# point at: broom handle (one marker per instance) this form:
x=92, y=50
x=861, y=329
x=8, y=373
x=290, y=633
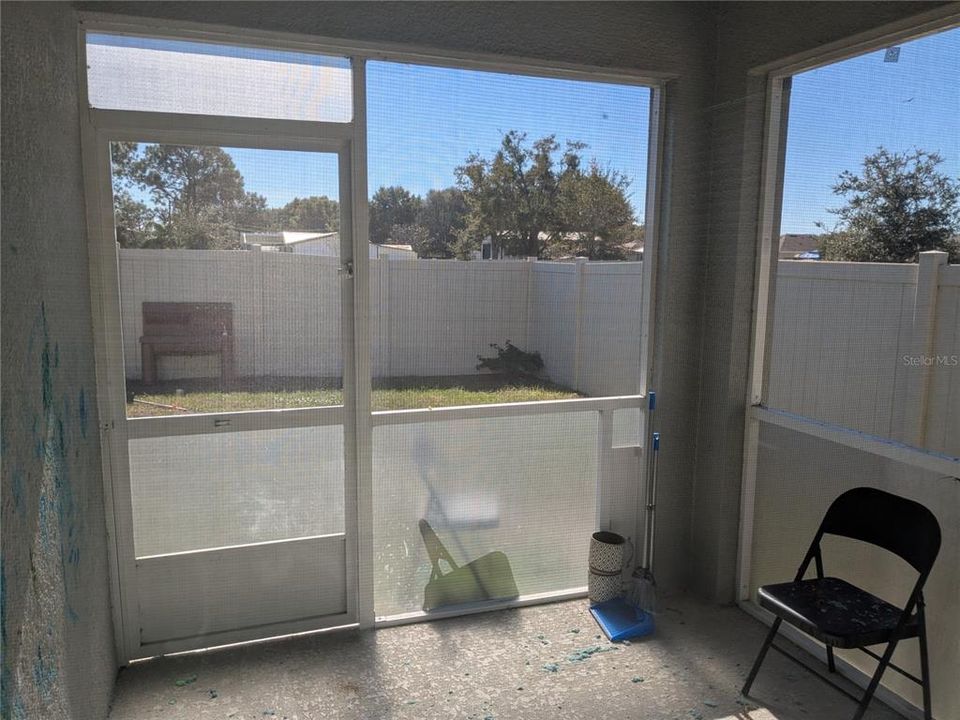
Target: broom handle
x=652, y=512
x=648, y=494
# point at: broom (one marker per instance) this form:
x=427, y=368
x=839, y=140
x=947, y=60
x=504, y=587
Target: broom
x=643, y=588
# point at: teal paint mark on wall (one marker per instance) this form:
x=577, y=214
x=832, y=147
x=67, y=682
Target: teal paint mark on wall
x=53, y=447
x=82, y=412
x=19, y=711
x=46, y=379
x=16, y=490
x=45, y=673
x=8, y=699
x=43, y=522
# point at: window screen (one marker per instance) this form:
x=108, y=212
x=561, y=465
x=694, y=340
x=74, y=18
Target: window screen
x=506, y=230
x=177, y=76
x=866, y=327
x=866, y=330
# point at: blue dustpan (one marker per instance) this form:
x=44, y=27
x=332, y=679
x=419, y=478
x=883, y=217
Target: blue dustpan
x=620, y=620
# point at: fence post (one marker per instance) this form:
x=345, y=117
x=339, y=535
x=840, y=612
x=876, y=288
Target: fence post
x=527, y=318
x=260, y=366
x=386, y=317
x=578, y=319
x=925, y=329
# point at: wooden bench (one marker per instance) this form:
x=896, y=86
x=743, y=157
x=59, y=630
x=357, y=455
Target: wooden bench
x=185, y=328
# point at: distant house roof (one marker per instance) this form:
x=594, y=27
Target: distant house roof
x=797, y=243
x=284, y=237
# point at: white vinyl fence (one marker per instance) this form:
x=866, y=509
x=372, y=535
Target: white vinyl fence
x=873, y=347
x=584, y=318
x=427, y=317
x=870, y=346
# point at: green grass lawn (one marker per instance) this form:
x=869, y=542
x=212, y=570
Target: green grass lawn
x=167, y=402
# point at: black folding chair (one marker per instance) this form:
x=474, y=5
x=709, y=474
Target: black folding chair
x=841, y=615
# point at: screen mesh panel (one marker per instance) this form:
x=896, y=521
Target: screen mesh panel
x=505, y=265
x=230, y=287
x=866, y=332
x=208, y=491
x=506, y=229
x=521, y=486
x=628, y=428
x=864, y=336
x=176, y=76
x=230, y=300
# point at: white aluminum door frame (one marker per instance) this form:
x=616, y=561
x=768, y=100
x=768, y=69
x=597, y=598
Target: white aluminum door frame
x=98, y=129
x=117, y=429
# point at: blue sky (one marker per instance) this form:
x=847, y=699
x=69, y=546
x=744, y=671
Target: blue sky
x=842, y=112
x=424, y=121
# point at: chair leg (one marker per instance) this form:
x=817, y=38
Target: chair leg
x=924, y=665
x=759, y=661
x=831, y=665
x=875, y=680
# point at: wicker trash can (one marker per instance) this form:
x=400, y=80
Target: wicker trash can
x=606, y=558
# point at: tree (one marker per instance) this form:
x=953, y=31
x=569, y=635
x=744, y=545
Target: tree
x=532, y=201
x=197, y=197
x=511, y=199
x=898, y=206
x=317, y=212
x=443, y=216
x=133, y=219
x=636, y=235
x=391, y=206
x=416, y=236
x=595, y=215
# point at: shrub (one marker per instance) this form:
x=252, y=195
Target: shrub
x=511, y=360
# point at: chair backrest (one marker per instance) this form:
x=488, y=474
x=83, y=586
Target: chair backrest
x=187, y=319
x=902, y=526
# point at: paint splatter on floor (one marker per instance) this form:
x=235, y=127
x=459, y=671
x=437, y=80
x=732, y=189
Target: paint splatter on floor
x=587, y=653
x=473, y=667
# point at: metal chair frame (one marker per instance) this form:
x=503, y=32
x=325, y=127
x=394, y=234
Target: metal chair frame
x=875, y=517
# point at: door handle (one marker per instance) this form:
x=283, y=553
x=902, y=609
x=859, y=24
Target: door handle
x=346, y=269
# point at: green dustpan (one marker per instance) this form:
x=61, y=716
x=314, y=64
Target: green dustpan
x=489, y=577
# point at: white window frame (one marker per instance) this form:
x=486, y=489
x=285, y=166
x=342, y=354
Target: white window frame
x=99, y=125
x=778, y=78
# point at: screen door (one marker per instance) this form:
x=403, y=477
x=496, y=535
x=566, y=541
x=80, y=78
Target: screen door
x=219, y=184
x=232, y=281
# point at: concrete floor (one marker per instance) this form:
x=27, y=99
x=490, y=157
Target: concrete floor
x=496, y=665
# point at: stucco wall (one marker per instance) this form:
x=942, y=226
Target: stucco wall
x=58, y=657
